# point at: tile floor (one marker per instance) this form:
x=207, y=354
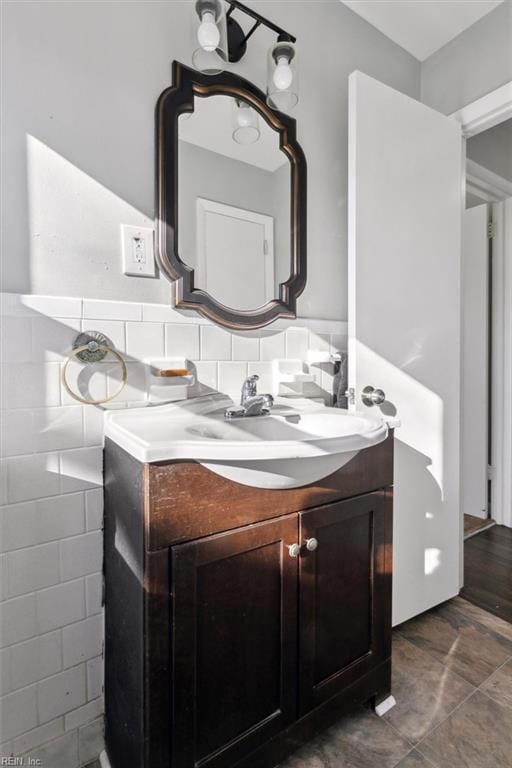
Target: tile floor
x=452, y=678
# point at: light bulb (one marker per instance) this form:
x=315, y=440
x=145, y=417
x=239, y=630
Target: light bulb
x=283, y=75
x=207, y=33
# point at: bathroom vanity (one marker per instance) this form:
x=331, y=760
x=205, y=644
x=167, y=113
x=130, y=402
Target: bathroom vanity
x=247, y=560
x=241, y=620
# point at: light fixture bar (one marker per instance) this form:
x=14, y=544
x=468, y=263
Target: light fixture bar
x=259, y=19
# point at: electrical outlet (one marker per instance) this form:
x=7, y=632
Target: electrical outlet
x=138, y=250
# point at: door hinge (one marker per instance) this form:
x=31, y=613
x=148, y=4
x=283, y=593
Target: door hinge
x=490, y=472
x=265, y=247
x=350, y=394
x=491, y=230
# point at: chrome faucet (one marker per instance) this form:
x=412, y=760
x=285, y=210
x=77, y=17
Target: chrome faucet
x=251, y=404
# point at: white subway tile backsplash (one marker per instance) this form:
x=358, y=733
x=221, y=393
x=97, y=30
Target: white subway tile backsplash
x=36, y=659
x=161, y=313
x=135, y=387
x=38, y=736
x=5, y=672
x=3, y=577
x=93, y=422
x=3, y=482
x=114, y=330
x=319, y=342
x=206, y=377
x=84, y=714
x=182, y=341
x=90, y=741
x=52, y=340
x=57, y=606
x=231, y=377
x=61, y=693
x=94, y=509
x=58, y=428
x=95, y=309
x=264, y=371
x=215, y=343
x=94, y=678
x=81, y=469
x=16, y=432
x=52, y=306
x=94, y=593
x=33, y=568
x=145, y=340
x=30, y=385
x=36, y=522
x=245, y=347
x=18, y=620
x=338, y=342
x=82, y=641
x=43, y=471
x=297, y=343
x=16, y=340
x=60, y=753
x=81, y=555
x=18, y=712
x=272, y=345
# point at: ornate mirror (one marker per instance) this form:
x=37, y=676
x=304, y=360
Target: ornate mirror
x=231, y=200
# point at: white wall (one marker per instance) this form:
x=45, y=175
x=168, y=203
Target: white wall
x=81, y=80
x=476, y=62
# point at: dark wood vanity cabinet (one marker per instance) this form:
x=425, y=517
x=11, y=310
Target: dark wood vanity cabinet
x=222, y=648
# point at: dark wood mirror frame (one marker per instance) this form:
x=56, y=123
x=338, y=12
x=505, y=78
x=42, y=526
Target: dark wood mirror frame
x=179, y=99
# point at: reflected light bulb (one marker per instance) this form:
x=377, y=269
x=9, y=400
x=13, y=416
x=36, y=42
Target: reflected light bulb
x=243, y=117
x=207, y=33
x=283, y=75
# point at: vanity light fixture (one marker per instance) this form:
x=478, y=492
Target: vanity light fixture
x=247, y=129
x=220, y=38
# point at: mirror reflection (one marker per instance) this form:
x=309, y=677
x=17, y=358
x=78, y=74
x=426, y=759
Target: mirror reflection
x=234, y=202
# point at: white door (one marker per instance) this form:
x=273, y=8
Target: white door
x=236, y=242
x=405, y=206
x=475, y=361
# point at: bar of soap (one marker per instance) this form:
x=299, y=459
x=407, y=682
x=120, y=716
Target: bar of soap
x=170, y=372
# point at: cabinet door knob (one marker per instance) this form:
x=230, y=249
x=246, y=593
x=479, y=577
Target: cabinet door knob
x=311, y=544
x=294, y=550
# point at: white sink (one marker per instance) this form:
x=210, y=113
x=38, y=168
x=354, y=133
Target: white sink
x=296, y=444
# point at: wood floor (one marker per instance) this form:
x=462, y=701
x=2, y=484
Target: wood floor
x=488, y=571
x=474, y=524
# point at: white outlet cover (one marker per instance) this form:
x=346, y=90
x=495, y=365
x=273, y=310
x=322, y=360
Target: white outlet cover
x=138, y=248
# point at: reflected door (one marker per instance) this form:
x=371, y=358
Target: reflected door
x=235, y=254
x=405, y=206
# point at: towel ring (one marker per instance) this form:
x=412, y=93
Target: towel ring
x=96, y=351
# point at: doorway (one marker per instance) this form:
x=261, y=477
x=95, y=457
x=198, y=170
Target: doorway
x=486, y=433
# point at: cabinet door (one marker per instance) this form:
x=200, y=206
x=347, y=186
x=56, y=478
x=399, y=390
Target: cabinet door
x=234, y=642
x=345, y=594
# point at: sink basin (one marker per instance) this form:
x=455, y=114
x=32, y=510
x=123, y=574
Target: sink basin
x=292, y=446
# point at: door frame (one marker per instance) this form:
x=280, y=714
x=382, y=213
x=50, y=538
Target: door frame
x=480, y=115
